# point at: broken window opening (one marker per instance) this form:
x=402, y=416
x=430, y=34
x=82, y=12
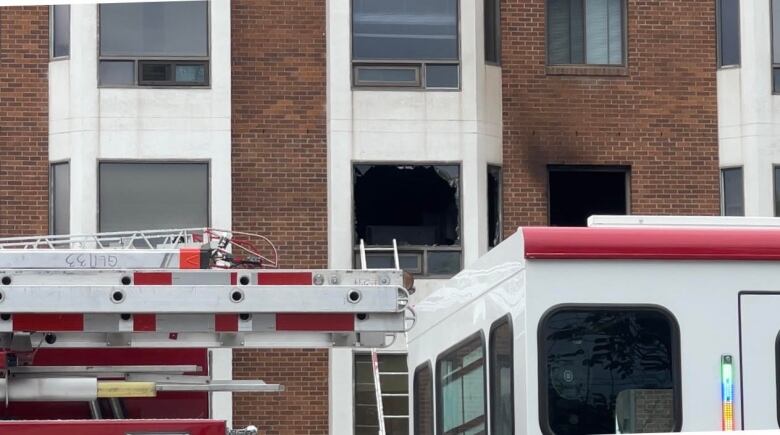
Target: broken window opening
x=419, y=207
x=494, y=205
x=576, y=193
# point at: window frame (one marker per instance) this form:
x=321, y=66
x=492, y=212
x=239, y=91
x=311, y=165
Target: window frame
x=722, y=183
x=775, y=196
x=773, y=65
x=415, y=401
x=500, y=204
x=624, y=64
x=542, y=378
x=420, y=64
x=173, y=60
x=777, y=377
x=206, y=162
x=719, y=36
x=589, y=168
x=504, y=320
x=495, y=36
x=421, y=250
x=480, y=334
x=52, y=198
x=52, y=57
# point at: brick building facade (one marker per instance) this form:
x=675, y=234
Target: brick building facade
x=655, y=117
x=24, y=120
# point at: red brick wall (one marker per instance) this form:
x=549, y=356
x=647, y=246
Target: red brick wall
x=301, y=409
x=24, y=120
x=660, y=117
x=280, y=187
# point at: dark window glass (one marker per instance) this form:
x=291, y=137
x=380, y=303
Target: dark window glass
x=418, y=206
x=578, y=193
x=147, y=196
x=443, y=262
x=154, y=29
x=423, y=400
x=394, y=385
x=493, y=31
x=728, y=32
x=776, y=45
x=733, y=192
x=60, y=30
x=777, y=191
x=59, y=198
x=441, y=76
x=608, y=371
x=502, y=415
x=117, y=73
x=156, y=72
x=585, y=31
x=494, y=205
x=404, y=29
x=460, y=404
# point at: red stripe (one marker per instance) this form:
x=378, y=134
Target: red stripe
x=284, y=278
x=144, y=322
x=233, y=278
x=652, y=243
x=226, y=322
x=315, y=322
x=48, y=322
x=189, y=258
x=152, y=278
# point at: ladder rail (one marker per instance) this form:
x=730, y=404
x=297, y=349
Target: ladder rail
x=227, y=249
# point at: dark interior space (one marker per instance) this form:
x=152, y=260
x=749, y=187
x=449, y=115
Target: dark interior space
x=416, y=205
x=494, y=205
x=577, y=194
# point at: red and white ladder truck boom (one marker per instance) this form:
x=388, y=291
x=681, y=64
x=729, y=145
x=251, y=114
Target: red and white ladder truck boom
x=188, y=288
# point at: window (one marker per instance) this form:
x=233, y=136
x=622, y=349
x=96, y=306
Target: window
x=494, y=205
x=154, y=44
x=460, y=389
x=609, y=370
x=423, y=400
x=405, y=43
x=394, y=383
x=777, y=190
x=493, y=31
x=59, y=198
x=578, y=192
x=502, y=413
x=728, y=32
x=419, y=207
x=585, y=32
x=60, y=31
x=733, y=192
x=146, y=196
x=776, y=46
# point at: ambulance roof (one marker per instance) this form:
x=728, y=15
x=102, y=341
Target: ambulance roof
x=653, y=243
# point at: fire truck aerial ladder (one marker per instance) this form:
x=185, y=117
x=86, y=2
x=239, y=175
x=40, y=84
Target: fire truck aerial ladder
x=184, y=288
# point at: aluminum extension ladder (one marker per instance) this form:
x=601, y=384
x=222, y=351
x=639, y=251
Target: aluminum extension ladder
x=185, y=288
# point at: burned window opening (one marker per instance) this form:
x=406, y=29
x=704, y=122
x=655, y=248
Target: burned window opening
x=416, y=205
x=419, y=207
x=578, y=193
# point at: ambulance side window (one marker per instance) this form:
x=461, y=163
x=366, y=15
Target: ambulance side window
x=460, y=388
x=609, y=369
x=423, y=400
x=502, y=414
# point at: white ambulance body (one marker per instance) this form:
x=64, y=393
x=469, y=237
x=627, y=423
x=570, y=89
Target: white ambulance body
x=635, y=326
